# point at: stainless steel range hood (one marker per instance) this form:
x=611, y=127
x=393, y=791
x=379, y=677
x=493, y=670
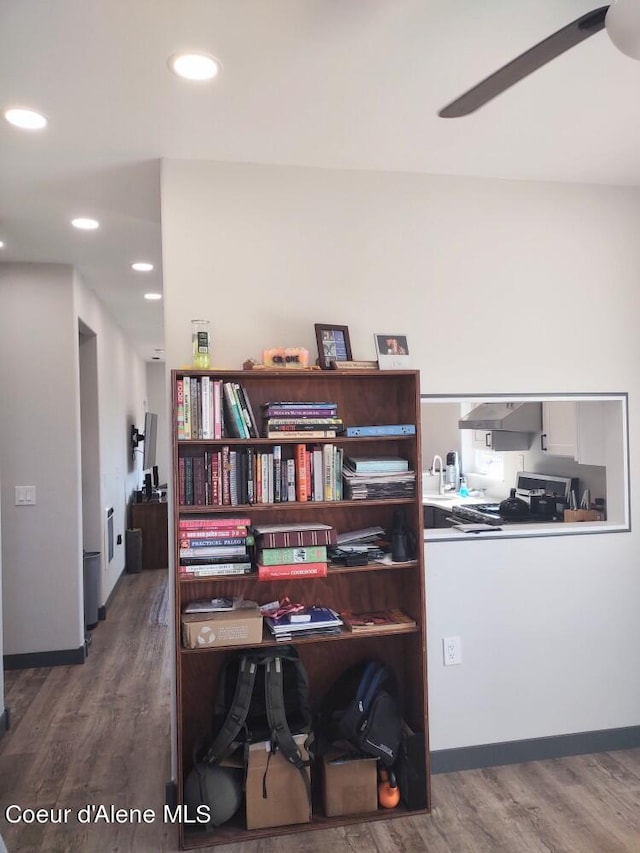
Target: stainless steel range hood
x=511, y=417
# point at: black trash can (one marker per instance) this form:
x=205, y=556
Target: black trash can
x=91, y=560
x=133, y=549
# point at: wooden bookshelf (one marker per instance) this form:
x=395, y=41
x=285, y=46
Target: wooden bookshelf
x=363, y=397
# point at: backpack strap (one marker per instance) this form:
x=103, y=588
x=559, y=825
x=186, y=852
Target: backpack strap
x=238, y=710
x=281, y=736
x=374, y=673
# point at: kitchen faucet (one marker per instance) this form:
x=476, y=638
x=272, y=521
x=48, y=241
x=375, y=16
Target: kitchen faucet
x=440, y=471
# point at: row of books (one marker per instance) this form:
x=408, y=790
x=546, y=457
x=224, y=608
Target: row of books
x=213, y=409
x=231, y=476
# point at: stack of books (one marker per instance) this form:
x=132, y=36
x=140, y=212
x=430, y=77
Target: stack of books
x=292, y=550
x=310, y=622
x=301, y=420
x=377, y=477
x=214, y=546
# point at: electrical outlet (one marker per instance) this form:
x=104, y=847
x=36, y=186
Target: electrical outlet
x=451, y=650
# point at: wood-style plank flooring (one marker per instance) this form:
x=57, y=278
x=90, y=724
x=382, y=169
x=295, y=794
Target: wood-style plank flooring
x=99, y=734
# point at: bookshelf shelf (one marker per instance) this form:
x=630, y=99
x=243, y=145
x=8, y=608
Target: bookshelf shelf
x=367, y=397
x=267, y=640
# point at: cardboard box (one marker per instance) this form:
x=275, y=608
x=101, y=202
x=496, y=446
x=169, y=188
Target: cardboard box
x=239, y=627
x=287, y=800
x=349, y=785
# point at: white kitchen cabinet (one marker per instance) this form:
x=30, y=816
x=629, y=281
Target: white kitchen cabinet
x=574, y=430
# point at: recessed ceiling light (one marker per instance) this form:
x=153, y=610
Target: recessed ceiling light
x=153, y=296
x=25, y=119
x=195, y=66
x=142, y=266
x=1, y=244
x=85, y=224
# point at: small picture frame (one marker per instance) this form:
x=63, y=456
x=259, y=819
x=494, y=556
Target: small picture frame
x=393, y=351
x=333, y=344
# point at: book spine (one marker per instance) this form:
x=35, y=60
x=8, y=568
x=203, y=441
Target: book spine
x=306, y=434
x=278, y=556
x=291, y=480
x=217, y=408
x=188, y=481
x=277, y=473
x=198, y=481
x=216, y=550
x=296, y=538
x=304, y=422
x=206, y=407
x=301, y=570
x=213, y=542
x=301, y=426
x=302, y=493
x=328, y=470
x=226, y=482
x=180, y=409
x=318, y=478
x=384, y=429
x=299, y=412
x=186, y=391
x=233, y=530
x=233, y=477
x=181, y=475
x=217, y=524
x=206, y=571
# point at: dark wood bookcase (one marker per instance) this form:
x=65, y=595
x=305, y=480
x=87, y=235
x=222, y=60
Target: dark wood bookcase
x=367, y=397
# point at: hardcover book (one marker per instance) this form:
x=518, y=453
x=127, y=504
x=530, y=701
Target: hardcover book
x=294, y=535
x=278, y=556
x=292, y=570
x=377, y=620
x=372, y=464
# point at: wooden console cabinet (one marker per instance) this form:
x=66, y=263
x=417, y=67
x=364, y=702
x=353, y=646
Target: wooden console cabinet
x=151, y=518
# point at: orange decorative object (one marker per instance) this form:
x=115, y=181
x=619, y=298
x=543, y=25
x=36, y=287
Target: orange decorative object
x=286, y=357
x=388, y=791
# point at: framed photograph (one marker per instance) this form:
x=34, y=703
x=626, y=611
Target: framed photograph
x=333, y=344
x=393, y=351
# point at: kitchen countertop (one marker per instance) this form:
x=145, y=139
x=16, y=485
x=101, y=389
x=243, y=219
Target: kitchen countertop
x=508, y=531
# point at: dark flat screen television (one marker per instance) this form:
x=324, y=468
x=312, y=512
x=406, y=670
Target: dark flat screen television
x=149, y=443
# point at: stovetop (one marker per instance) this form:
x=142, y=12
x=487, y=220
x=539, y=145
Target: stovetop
x=489, y=513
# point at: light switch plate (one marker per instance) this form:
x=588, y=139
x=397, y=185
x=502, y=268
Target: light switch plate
x=25, y=495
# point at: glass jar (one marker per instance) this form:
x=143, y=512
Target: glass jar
x=201, y=343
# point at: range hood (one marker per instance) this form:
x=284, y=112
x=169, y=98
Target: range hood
x=511, y=417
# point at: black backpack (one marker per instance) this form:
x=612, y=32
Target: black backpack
x=263, y=694
x=362, y=708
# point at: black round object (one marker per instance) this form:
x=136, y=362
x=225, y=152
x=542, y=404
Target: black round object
x=218, y=788
x=513, y=507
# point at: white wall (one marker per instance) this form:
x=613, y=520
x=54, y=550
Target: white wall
x=41, y=306
x=478, y=274
x=121, y=400
x=39, y=418
x=1, y=631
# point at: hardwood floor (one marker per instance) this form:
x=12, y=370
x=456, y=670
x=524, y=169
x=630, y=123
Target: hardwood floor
x=99, y=734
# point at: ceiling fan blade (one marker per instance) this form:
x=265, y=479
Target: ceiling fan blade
x=523, y=65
